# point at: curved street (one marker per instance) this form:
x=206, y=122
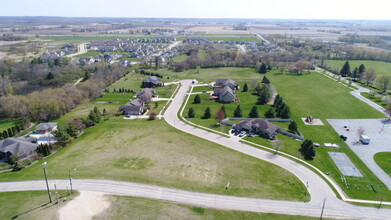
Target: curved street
x=319, y=190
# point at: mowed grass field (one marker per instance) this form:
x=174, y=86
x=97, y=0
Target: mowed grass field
x=140, y=208
x=383, y=159
x=380, y=68
x=31, y=205
x=6, y=123
x=153, y=152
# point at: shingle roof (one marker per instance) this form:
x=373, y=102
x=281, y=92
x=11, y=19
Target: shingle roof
x=21, y=146
x=45, y=126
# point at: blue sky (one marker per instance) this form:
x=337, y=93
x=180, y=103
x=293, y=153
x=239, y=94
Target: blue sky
x=312, y=9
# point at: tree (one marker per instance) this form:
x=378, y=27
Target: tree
x=302, y=65
x=361, y=69
x=270, y=113
x=78, y=122
x=265, y=80
x=62, y=137
x=254, y=112
x=307, y=149
x=104, y=112
x=245, y=87
x=50, y=76
x=10, y=133
x=72, y=130
x=384, y=82
x=238, y=112
x=86, y=76
x=368, y=76
x=207, y=113
x=5, y=134
x=345, y=71
x=220, y=115
x=285, y=112
x=152, y=116
x=197, y=99
x=223, y=109
x=354, y=73
x=262, y=69
x=95, y=115
x=191, y=113
x=292, y=126
x=277, y=100
x=264, y=95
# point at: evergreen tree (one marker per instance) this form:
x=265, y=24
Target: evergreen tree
x=277, y=100
x=223, y=109
x=104, y=112
x=86, y=76
x=280, y=107
x=14, y=130
x=5, y=134
x=292, y=126
x=245, y=87
x=197, y=99
x=310, y=153
x=345, y=71
x=354, y=74
x=361, y=69
x=207, y=113
x=72, y=130
x=191, y=113
x=264, y=95
x=285, y=112
x=262, y=68
x=265, y=80
x=238, y=112
x=270, y=113
x=254, y=112
x=50, y=76
x=10, y=133
x=62, y=137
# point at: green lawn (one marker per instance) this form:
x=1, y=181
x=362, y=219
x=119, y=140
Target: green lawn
x=31, y=204
x=383, y=159
x=380, y=68
x=375, y=99
x=139, y=208
x=153, y=152
x=6, y=123
x=180, y=58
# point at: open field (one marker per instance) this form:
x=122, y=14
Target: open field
x=31, y=205
x=383, y=159
x=138, y=208
x=380, y=68
x=145, y=151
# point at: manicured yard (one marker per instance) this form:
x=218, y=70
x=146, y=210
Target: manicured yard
x=139, y=208
x=375, y=98
x=380, y=68
x=31, y=205
x=153, y=152
x=383, y=159
x=6, y=123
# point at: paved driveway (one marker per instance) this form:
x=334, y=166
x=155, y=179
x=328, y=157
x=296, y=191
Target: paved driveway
x=377, y=131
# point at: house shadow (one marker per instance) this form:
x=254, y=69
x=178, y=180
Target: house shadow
x=38, y=208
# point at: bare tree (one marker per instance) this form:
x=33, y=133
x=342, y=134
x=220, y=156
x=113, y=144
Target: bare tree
x=368, y=76
x=384, y=82
x=277, y=145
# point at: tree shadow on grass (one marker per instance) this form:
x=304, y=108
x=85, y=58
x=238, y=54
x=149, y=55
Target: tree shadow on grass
x=41, y=207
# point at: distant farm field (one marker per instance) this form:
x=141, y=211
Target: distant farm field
x=380, y=68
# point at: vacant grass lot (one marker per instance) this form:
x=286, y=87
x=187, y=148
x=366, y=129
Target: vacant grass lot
x=153, y=152
x=383, y=159
x=380, y=68
x=139, y=208
x=31, y=205
x=316, y=95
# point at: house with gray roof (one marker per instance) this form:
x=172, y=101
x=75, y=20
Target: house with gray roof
x=46, y=127
x=226, y=82
x=21, y=146
x=225, y=94
x=134, y=107
x=257, y=126
x=151, y=82
x=146, y=94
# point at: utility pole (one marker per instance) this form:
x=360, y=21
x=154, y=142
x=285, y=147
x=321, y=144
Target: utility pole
x=44, y=165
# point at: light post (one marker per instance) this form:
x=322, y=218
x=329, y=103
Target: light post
x=70, y=179
x=44, y=165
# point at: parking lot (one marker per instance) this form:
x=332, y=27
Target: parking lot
x=379, y=132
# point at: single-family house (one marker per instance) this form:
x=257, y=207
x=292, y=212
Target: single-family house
x=46, y=127
x=134, y=107
x=85, y=61
x=226, y=82
x=225, y=94
x=21, y=146
x=151, y=82
x=257, y=126
x=146, y=94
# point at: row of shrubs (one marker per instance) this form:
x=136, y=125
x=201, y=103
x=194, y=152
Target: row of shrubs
x=15, y=130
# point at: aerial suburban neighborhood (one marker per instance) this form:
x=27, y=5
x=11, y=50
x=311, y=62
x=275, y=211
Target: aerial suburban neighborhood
x=151, y=110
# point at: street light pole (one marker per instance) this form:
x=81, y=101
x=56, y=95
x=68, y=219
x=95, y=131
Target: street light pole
x=70, y=179
x=44, y=165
